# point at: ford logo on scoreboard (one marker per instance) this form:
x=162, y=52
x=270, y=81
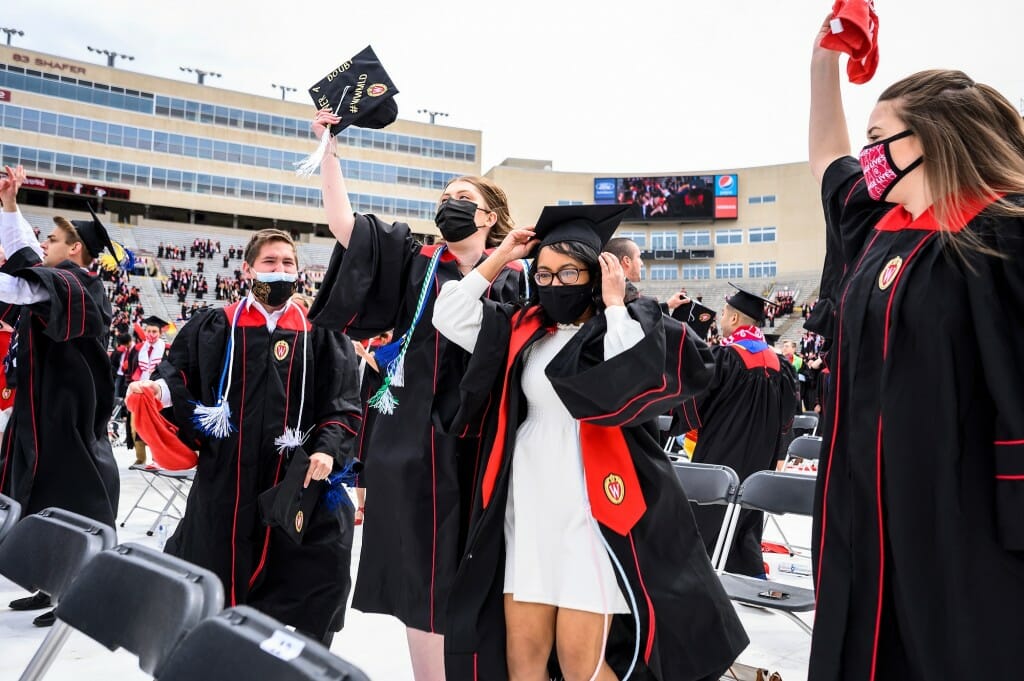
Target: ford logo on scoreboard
x=604, y=190
x=725, y=185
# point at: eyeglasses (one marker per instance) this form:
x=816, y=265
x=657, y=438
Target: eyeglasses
x=568, y=276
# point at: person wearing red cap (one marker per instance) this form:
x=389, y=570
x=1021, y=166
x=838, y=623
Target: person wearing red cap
x=55, y=450
x=919, y=525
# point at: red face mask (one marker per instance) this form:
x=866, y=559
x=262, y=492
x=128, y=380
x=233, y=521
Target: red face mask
x=880, y=172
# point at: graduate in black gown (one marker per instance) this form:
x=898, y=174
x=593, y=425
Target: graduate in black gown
x=55, y=450
x=919, y=525
x=572, y=459
x=741, y=420
x=278, y=373
x=418, y=475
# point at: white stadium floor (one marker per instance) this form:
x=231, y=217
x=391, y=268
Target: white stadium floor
x=375, y=643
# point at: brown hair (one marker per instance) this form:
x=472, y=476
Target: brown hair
x=973, y=145
x=71, y=237
x=497, y=201
x=265, y=236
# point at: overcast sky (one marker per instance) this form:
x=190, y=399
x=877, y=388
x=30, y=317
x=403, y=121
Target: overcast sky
x=609, y=87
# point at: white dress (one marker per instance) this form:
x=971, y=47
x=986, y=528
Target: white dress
x=554, y=550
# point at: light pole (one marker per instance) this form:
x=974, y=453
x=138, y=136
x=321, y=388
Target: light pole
x=10, y=32
x=433, y=114
x=111, y=56
x=200, y=74
x=283, y=89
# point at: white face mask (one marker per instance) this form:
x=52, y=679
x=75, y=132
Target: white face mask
x=271, y=277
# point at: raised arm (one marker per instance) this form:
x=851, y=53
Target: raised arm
x=15, y=232
x=339, y=209
x=828, y=137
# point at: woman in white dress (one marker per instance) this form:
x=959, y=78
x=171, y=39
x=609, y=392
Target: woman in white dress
x=560, y=586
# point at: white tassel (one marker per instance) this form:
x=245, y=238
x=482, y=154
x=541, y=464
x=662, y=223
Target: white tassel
x=398, y=372
x=213, y=421
x=384, y=402
x=309, y=165
x=290, y=439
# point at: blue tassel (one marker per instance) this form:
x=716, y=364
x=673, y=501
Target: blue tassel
x=387, y=354
x=335, y=495
x=214, y=422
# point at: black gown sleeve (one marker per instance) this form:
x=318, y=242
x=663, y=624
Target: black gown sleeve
x=336, y=397
x=71, y=309
x=191, y=370
x=365, y=284
x=850, y=216
x=995, y=287
x=665, y=369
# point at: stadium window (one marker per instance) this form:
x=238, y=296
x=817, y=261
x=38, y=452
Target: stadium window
x=725, y=237
x=761, y=270
x=664, y=241
x=729, y=270
x=692, y=272
x=768, y=198
x=752, y=200
x=696, y=237
x=639, y=238
x=664, y=272
x=569, y=202
x=761, y=235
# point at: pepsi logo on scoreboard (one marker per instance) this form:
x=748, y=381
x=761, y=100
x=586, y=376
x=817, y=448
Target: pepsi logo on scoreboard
x=725, y=185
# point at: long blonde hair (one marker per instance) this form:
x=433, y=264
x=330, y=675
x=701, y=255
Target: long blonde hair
x=973, y=145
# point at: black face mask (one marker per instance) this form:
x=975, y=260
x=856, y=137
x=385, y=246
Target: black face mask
x=273, y=293
x=456, y=219
x=565, y=304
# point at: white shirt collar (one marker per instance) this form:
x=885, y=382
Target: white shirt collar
x=272, y=317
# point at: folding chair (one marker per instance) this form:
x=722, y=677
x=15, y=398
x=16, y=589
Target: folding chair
x=808, y=422
x=778, y=493
x=171, y=486
x=46, y=550
x=132, y=597
x=664, y=424
x=243, y=643
x=10, y=512
x=804, y=447
x=707, y=484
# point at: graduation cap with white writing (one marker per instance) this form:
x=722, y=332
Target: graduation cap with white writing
x=360, y=92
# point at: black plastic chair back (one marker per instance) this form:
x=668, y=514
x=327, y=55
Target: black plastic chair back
x=243, y=643
x=45, y=551
x=140, y=599
x=805, y=422
x=805, y=447
x=778, y=493
x=707, y=483
x=10, y=513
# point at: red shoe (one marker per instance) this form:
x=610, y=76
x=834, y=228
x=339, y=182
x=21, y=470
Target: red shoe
x=359, y=516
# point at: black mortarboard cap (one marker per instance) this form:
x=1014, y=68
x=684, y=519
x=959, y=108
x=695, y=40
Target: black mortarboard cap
x=697, y=315
x=592, y=225
x=94, y=234
x=287, y=504
x=360, y=91
x=771, y=339
x=748, y=303
x=153, y=320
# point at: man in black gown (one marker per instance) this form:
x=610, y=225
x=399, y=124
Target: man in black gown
x=55, y=451
x=741, y=419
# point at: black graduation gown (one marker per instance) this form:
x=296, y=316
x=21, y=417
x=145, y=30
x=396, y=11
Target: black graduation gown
x=919, y=526
x=55, y=451
x=741, y=421
x=420, y=475
x=303, y=585
x=687, y=626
